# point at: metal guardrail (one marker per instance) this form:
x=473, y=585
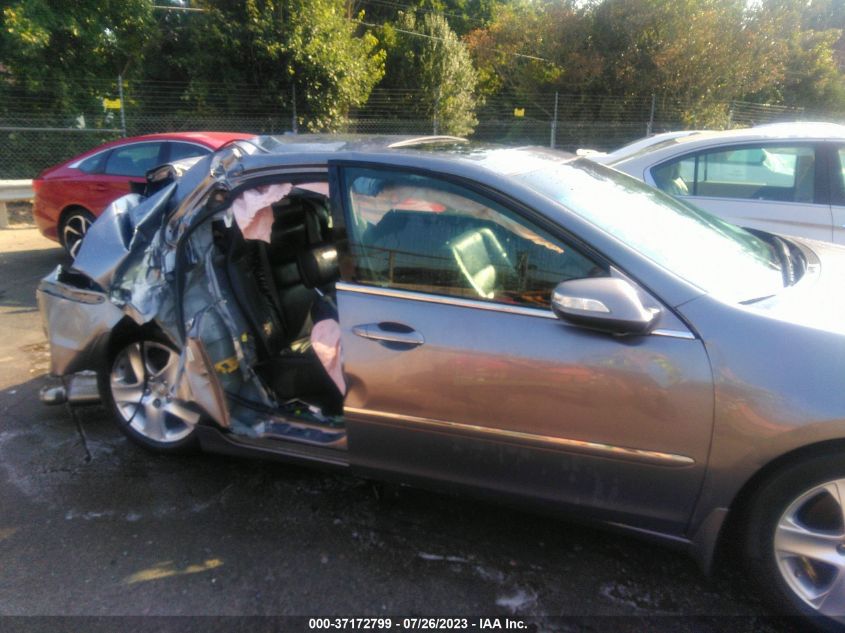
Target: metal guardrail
x=13, y=191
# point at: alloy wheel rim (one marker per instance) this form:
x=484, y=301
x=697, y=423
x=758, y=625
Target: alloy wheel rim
x=142, y=384
x=74, y=230
x=809, y=548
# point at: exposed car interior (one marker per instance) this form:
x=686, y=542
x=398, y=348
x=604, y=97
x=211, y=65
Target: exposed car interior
x=282, y=289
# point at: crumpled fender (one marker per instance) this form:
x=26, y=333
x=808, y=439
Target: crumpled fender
x=127, y=225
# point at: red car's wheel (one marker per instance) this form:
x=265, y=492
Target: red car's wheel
x=73, y=227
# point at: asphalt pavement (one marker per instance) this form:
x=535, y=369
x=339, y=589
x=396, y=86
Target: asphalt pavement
x=92, y=526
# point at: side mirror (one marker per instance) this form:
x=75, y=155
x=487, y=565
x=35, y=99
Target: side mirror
x=607, y=304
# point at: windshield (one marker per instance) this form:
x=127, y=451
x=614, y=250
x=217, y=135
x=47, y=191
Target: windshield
x=718, y=257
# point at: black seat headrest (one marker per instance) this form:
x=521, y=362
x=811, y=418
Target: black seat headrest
x=318, y=266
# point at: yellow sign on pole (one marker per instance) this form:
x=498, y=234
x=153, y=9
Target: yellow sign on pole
x=519, y=112
x=111, y=104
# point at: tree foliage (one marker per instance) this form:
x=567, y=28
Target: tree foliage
x=61, y=48
x=805, y=44
x=284, y=46
x=280, y=45
x=427, y=55
x=699, y=54
x=696, y=54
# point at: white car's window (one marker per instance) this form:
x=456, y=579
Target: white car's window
x=710, y=253
x=754, y=172
x=417, y=233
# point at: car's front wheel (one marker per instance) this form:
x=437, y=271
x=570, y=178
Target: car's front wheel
x=74, y=226
x=140, y=388
x=795, y=540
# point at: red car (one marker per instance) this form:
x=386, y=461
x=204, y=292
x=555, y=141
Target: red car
x=70, y=196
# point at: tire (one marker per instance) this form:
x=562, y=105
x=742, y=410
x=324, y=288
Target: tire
x=795, y=541
x=135, y=386
x=73, y=227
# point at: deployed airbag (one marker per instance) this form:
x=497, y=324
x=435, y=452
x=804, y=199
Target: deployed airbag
x=253, y=210
x=325, y=341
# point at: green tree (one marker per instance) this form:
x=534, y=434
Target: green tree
x=71, y=49
x=463, y=15
x=535, y=46
x=333, y=69
x=425, y=55
x=69, y=54
x=806, y=37
x=281, y=46
x=697, y=53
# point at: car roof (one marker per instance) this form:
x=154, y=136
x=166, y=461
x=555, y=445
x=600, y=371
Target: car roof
x=322, y=143
x=634, y=146
x=320, y=148
x=212, y=139
x=804, y=130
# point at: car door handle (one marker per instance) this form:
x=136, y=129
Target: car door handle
x=100, y=187
x=389, y=332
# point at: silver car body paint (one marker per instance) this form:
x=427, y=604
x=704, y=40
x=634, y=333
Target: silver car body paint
x=737, y=387
x=75, y=320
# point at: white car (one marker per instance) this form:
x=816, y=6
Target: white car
x=784, y=178
x=598, y=156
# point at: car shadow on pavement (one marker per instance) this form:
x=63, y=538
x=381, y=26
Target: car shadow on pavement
x=20, y=272
x=140, y=517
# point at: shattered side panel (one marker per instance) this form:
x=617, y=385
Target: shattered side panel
x=131, y=254
x=75, y=320
x=218, y=342
x=128, y=223
x=143, y=278
x=206, y=390
x=142, y=287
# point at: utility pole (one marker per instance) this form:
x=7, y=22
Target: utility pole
x=122, y=110
x=553, y=133
x=649, y=128
x=293, y=123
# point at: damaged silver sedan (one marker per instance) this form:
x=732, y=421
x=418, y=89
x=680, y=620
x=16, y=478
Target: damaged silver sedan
x=512, y=321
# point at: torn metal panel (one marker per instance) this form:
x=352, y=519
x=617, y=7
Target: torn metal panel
x=79, y=388
x=109, y=241
x=141, y=286
x=206, y=176
x=127, y=224
x=206, y=390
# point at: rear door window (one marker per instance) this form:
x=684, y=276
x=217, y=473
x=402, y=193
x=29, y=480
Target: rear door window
x=784, y=173
x=135, y=159
x=178, y=150
x=94, y=164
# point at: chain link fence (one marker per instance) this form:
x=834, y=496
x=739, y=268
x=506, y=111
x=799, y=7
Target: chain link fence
x=33, y=140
